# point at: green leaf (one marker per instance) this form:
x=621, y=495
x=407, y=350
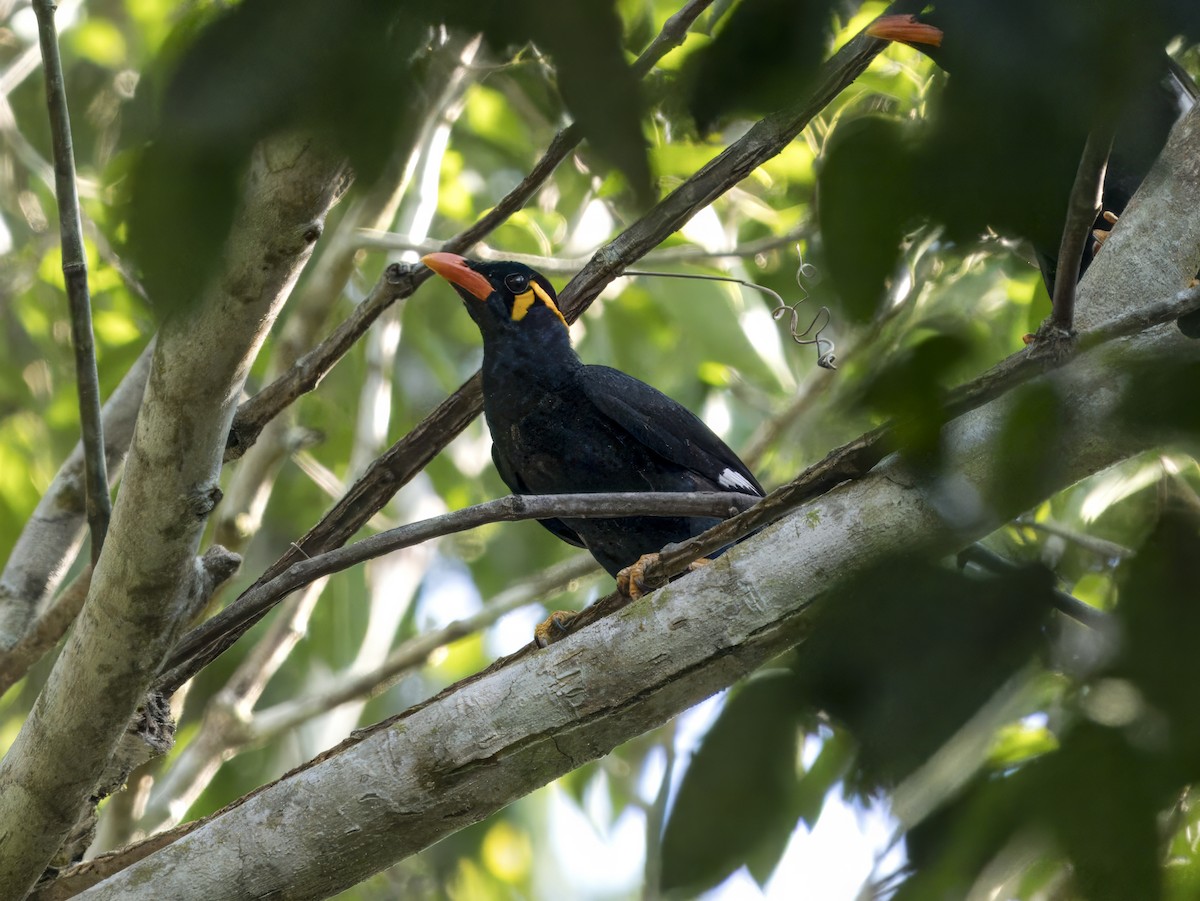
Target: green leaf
x=733, y=798
x=833, y=760
x=1099, y=796
x=864, y=187
x=261, y=68
x=909, y=388
x=764, y=57
x=1154, y=399
x=1162, y=628
x=597, y=85
x=1027, y=453
x=584, y=40
x=909, y=651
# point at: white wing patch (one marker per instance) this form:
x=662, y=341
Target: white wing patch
x=735, y=480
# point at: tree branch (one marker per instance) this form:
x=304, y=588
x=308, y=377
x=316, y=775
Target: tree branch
x=45, y=634
x=570, y=265
x=468, y=752
x=472, y=750
x=52, y=534
x=147, y=578
x=1082, y=209
x=74, y=267
x=287, y=715
x=204, y=643
x=856, y=458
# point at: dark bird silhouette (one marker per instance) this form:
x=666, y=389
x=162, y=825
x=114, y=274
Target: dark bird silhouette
x=1058, y=101
x=561, y=426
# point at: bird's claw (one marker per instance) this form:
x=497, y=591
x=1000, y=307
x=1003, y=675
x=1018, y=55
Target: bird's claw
x=556, y=626
x=632, y=582
x=1100, y=235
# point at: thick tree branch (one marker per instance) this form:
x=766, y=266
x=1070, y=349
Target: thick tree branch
x=74, y=267
x=856, y=458
x=483, y=743
x=473, y=749
x=147, y=579
x=1163, y=208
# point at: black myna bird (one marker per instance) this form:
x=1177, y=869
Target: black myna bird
x=560, y=426
x=1145, y=108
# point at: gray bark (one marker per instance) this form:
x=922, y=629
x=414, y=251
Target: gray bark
x=147, y=578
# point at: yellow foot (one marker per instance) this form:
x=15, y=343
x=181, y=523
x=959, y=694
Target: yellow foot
x=556, y=626
x=631, y=581
x=1101, y=234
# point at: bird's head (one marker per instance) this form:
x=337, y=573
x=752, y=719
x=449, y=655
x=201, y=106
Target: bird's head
x=501, y=296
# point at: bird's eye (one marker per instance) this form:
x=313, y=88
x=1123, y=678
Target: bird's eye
x=516, y=283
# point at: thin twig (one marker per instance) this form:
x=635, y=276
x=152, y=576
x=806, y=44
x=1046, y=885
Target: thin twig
x=230, y=724
x=1106, y=551
x=256, y=601
x=74, y=267
x=369, y=238
x=286, y=716
x=1082, y=209
x=1064, y=603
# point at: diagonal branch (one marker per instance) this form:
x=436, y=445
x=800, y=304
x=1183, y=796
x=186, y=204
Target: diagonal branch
x=856, y=458
x=46, y=632
x=74, y=267
x=466, y=753
x=202, y=645
x=287, y=715
x=689, y=253
x=51, y=536
x=147, y=579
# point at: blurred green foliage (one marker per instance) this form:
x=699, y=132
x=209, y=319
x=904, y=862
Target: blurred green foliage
x=167, y=102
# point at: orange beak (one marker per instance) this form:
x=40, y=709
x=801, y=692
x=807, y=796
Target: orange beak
x=906, y=29
x=455, y=270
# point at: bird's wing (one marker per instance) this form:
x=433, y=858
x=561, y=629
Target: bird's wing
x=667, y=427
x=514, y=483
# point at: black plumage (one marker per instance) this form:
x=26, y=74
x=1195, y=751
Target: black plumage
x=561, y=426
